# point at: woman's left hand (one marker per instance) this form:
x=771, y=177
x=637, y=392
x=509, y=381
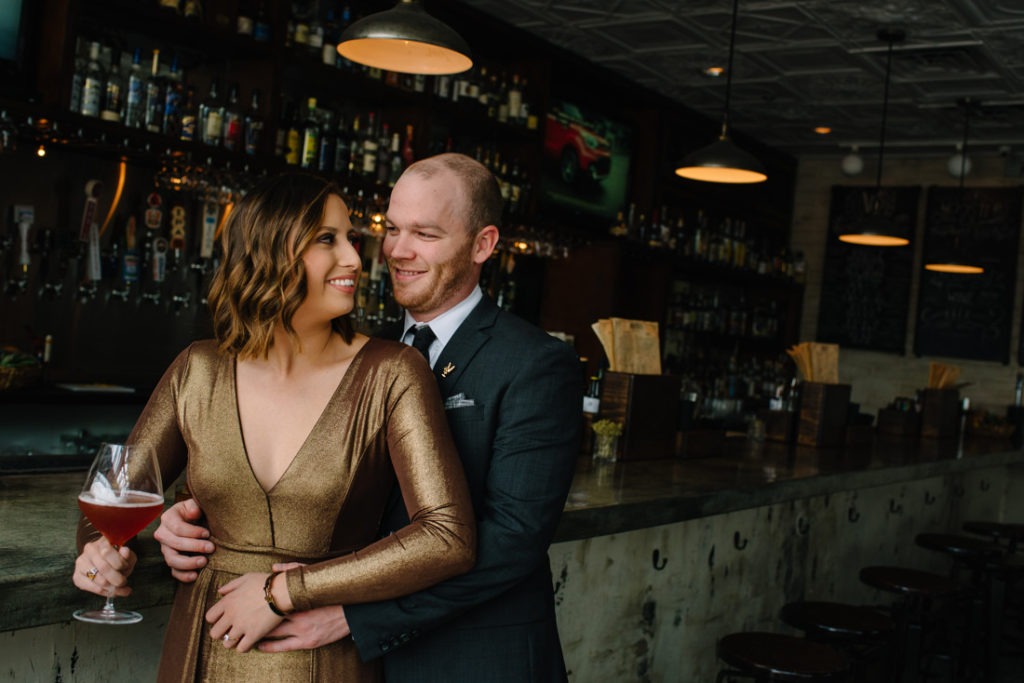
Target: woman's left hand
x=242, y=614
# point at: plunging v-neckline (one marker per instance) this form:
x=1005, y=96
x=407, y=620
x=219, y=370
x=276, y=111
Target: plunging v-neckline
x=302, y=447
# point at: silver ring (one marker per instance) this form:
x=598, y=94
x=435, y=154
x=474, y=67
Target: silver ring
x=227, y=638
x=91, y=574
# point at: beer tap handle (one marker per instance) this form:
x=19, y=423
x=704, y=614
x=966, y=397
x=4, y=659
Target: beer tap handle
x=24, y=216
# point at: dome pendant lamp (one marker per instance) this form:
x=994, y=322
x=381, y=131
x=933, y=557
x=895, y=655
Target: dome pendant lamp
x=954, y=261
x=874, y=230
x=722, y=161
x=405, y=39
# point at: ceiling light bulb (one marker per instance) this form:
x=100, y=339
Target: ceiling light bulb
x=714, y=71
x=852, y=163
x=822, y=130
x=958, y=164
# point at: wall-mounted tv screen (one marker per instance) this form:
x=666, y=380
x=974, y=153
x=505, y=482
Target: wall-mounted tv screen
x=585, y=176
x=10, y=23
x=14, y=58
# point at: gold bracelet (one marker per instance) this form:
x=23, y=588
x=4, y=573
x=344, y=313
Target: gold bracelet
x=269, y=596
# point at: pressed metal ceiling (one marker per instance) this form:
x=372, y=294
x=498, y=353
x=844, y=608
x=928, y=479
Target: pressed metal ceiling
x=806, y=63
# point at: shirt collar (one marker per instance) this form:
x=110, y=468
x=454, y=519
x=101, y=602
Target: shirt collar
x=446, y=324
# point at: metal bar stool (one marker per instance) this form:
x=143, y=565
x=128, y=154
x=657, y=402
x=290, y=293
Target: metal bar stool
x=774, y=657
x=918, y=592
x=983, y=627
x=863, y=633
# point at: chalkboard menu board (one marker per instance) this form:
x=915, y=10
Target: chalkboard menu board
x=865, y=291
x=969, y=316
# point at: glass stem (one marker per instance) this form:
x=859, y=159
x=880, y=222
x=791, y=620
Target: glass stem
x=108, y=607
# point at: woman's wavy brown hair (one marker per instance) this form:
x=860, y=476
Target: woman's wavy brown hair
x=261, y=280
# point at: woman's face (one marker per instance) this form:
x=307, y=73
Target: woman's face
x=332, y=266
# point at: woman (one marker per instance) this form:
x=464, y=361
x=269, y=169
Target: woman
x=291, y=429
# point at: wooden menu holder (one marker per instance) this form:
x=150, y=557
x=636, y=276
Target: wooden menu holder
x=940, y=413
x=647, y=406
x=823, y=414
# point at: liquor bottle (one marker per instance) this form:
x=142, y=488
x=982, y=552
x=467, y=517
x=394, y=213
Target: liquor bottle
x=369, y=169
x=329, y=53
x=315, y=40
x=192, y=9
x=113, y=91
x=293, y=139
x=408, y=153
x=253, y=125
x=135, y=102
x=300, y=23
x=189, y=114
x=383, y=155
x=211, y=116
x=78, y=77
x=346, y=19
x=246, y=18
x=233, y=121
x=502, y=100
x=342, y=147
x=355, y=155
x=310, y=135
x=281, y=137
x=327, y=142
x=261, y=24
x=172, y=101
x=154, y=97
x=396, y=159
x=92, y=84
x=514, y=100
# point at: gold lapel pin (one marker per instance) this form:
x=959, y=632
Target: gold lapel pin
x=446, y=369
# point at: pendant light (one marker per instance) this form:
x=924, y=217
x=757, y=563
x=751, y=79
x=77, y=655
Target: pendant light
x=722, y=161
x=953, y=260
x=875, y=230
x=405, y=39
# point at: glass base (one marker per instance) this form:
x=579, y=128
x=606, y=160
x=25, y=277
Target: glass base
x=115, y=617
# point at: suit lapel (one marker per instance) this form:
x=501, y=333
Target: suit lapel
x=457, y=354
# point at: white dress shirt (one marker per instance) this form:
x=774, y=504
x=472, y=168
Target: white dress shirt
x=444, y=325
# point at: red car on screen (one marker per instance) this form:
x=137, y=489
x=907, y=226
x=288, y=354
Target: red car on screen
x=574, y=143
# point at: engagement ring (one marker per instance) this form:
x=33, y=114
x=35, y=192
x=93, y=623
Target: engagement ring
x=227, y=638
x=91, y=574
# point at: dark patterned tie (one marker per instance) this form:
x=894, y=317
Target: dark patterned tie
x=422, y=336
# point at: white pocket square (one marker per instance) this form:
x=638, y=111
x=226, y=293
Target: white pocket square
x=458, y=401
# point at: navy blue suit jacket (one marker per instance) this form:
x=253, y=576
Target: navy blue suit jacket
x=518, y=442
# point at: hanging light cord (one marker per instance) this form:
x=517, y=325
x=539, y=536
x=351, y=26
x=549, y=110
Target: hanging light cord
x=728, y=68
x=963, y=145
x=885, y=113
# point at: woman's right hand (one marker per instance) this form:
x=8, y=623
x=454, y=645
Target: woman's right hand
x=103, y=569
x=183, y=540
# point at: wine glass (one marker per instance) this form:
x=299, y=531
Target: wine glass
x=122, y=494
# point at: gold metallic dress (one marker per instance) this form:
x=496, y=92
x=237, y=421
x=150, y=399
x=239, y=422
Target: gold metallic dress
x=384, y=419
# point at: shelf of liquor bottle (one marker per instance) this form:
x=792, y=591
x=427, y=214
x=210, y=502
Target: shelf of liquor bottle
x=304, y=74
x=756, y=271
x=744, y=342
x=133, y=19
x=54, y=126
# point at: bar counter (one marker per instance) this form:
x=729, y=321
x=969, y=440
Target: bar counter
x=38, y=511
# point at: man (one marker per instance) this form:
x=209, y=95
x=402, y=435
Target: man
x=512, y=397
